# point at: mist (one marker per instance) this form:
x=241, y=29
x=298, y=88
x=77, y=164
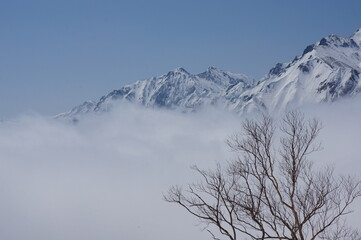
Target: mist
x=104, y=177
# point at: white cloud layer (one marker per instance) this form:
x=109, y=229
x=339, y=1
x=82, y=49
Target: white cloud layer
x=103, y=178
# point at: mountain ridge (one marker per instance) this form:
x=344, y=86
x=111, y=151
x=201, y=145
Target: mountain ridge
x=325, y=72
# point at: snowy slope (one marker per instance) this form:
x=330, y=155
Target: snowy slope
x=177, y=89
x=86, y=107
x=326, y=71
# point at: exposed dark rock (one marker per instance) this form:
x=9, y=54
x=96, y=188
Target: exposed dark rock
x=162, y=96
x=330, y=86
x=278, y=69
x=247, y=98
x=351, y=83
x=308, y=49
x=323, y=42
x=305, y=67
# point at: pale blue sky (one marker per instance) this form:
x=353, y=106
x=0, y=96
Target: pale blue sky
x=56, y=54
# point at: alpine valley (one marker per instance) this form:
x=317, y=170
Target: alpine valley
x=325, y=72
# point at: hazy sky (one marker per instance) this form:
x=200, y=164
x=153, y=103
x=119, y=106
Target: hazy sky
x=56, y=54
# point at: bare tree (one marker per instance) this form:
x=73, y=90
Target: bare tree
x=272, y=191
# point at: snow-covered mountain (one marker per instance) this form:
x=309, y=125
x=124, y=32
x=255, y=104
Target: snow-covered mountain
x=326, y=71
x=176, y=89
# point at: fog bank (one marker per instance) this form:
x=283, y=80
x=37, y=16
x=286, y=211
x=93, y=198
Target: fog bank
x=103, y=178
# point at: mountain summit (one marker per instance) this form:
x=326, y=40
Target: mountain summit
x=325, y=72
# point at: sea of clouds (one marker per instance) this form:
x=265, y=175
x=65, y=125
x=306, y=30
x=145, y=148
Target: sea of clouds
x=104, y=177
